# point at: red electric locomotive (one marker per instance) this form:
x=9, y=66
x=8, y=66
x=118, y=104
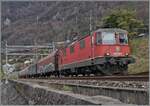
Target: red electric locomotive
x=105, y=52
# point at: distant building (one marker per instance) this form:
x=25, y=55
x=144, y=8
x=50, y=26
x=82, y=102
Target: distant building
x=27, y=62
x=7, y=22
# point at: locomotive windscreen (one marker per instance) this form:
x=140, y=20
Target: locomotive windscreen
x=111, y=38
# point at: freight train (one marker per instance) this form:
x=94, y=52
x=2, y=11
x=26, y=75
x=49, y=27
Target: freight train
x=104, y=52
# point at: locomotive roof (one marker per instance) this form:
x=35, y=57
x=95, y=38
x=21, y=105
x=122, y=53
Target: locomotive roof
x=99, y=30
x=111, y=30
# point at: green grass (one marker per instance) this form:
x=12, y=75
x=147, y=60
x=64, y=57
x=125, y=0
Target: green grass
x=140, y=50
x=66, y=88
x=1, y=74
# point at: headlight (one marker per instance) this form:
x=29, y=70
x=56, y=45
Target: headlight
x=127, y=54
x=107, y=54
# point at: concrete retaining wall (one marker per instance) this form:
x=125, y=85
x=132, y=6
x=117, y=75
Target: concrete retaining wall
x=36, y=94
x=128, y=95
x=43, y=95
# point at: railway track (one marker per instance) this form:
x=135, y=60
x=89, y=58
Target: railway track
x=112, y=78
x=142, y=73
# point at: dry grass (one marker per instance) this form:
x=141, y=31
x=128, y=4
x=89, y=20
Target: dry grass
x=1, y=74
x=140, y=51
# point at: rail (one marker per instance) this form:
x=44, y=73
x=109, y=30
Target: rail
x=113, y=78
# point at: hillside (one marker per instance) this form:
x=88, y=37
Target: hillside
x=57, y=21
x=140, y=51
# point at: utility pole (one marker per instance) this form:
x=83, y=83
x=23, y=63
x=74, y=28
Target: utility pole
x=76, y=19
x=90, y=22
x=96, y=17
x=76, y=10
x=53, y=46
x=6, y=80
x=92, y=38
x=36, y=51
x=50, y=44
x=6, y=51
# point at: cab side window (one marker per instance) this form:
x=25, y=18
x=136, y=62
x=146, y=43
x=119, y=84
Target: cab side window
x=71, y=48
x=122, y=38
x=82, y=44
x=99, y=38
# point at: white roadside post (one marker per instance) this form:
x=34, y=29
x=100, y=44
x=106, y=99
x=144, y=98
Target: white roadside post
x=7, y=70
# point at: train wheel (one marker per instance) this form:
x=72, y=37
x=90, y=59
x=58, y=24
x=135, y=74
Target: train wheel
x=83, y=74
x=88, y=74
x=105, y=69
x=76, y=74
x=66, y=75
x=124, y=70
x=88, y=71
